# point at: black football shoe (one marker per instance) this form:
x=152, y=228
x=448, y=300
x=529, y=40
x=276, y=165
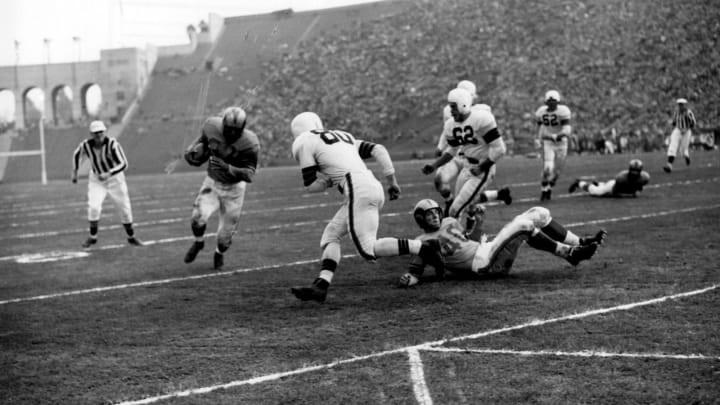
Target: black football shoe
x=574, y=186
x=218, y=261
x=504, y=195
x=133, y=241
x=598, y=238
x=316, y=292
x=581, y=253
x=192, y=253
x=89, y=242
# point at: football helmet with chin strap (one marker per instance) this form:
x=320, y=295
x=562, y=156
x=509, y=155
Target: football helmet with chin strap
x=469, y=86
x=460, y=102
x=420, y=214
x=305, y=121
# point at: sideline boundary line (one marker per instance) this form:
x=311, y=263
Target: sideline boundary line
x=300, y=262
x=408, y=349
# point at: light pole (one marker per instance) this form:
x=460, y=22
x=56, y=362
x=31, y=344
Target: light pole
x=17, y=62
x=46, y=42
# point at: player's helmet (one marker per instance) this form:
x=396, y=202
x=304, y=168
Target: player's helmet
x=469, y=86
x=233, y=121
x=635, y=166
x=304, y=122
x=462, y=99
x=552, y=95
x=421, y=209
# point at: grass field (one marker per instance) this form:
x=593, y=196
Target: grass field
x=638, y=324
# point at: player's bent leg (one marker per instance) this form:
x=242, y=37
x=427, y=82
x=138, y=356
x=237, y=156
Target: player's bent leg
x=503, y=256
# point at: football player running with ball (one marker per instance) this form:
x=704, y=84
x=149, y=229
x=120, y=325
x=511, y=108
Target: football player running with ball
x=471, y=134
x=232, y=155
x=627, y=183
x=553, y=122
x=495, y=258
x=334, y=158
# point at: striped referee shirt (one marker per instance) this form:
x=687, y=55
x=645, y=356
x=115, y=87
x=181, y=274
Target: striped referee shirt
x=684, y=120
x=109, y=158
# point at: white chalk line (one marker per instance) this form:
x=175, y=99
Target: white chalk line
x=583, y=353
x=291, y=208
x=417, y=376
x=237, y=271
x=407, y=349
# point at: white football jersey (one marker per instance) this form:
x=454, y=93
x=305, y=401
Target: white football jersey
x=471, y=136
x=333, y=152
x=442, y=142
x=551, y=122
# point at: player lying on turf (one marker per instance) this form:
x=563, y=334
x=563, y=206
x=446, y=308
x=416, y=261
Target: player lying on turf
x=627, y=183
x=495, y=257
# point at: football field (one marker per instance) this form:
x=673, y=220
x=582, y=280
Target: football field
x=637, y=324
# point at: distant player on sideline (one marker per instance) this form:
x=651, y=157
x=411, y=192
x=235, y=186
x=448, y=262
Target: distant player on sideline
x=554, y=129
x=462, y=255
x=472, y=134
x=627, y=183
x=107, y=177
x=333, y=158
x=232, y=155
x=446, y=175
x=683, y=122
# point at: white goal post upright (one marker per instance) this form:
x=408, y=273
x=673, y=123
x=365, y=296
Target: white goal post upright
x=41, y=152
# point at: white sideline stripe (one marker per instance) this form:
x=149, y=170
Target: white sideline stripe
x=422, y=346
x=388, y=215
x=417, y=376
x=584, y=353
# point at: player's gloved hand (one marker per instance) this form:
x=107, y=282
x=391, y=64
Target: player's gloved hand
x=218, y=164
x=438, y=152
x=428, y=169
x=394, y=191
x=408, y=280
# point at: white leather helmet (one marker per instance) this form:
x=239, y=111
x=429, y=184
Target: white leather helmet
x=304, y=122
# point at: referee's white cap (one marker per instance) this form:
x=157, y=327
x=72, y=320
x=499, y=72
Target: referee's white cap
x=97, y=126
x=681, y=101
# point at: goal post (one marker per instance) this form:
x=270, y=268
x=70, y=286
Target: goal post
x=35, y=152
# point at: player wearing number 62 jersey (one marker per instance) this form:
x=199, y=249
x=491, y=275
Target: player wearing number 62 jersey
x=334, y=158
x=473, y=134
x=495, y=257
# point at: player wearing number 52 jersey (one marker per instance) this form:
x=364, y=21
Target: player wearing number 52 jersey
x=553, y=122
x=334, y=158
x=473, y=134
x=495, y=257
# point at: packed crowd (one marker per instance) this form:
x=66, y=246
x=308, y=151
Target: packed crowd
x=619, y=66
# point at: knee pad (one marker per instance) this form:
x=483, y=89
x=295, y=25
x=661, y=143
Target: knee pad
x=539, y=216
x=333, y=234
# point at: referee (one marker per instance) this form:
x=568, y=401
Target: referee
x=107, y=177
x=683, y=122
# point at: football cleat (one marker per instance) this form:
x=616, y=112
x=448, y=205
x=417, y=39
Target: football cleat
x=687, y=160
x=430, y=254
x=574, y=186
x=545, y=195
x=193, y=251
x=315, y=292
x=218, y=261
x=599, y=238
x=89, y=242
x=667, y=168
x=133, y=241
x=504, y=195
x=578, y=254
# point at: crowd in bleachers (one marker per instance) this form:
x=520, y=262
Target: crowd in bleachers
x=618, y=64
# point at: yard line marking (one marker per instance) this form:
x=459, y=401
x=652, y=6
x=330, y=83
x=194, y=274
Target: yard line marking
x=387, y=215
x=422, y=346
x=47, y=211
x=417, y=376
x=583, y=353
x=291, y=208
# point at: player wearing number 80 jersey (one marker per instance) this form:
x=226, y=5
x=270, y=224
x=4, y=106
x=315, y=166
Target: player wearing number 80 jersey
x=334, y=158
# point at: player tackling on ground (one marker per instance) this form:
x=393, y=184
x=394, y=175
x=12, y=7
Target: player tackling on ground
x=627, y=183
x=334, y=158
x=495, y=257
